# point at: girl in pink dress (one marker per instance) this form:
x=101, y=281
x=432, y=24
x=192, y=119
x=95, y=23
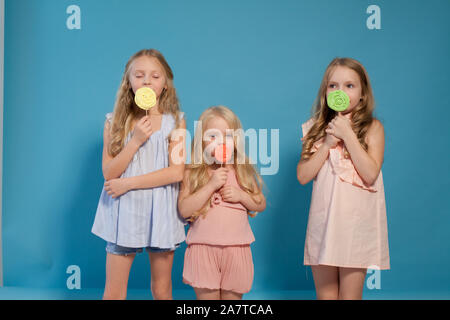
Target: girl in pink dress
x=217, y=198
x=343, y=153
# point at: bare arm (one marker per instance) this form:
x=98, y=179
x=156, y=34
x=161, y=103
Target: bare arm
x=173, y=173
x=234, y=194
x=308, y=169
x=190, y=203
x=113, y=167
x=257, y=205
x=367, y=163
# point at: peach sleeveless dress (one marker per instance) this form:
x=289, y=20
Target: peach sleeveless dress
x=347, y=225
x=218, y=255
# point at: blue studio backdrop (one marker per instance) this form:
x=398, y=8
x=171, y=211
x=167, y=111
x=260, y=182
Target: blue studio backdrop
x=263, y=59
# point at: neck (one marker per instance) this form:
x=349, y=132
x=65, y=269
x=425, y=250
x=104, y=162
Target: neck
x=154, y=111
x=216, y=166
x=348, y=115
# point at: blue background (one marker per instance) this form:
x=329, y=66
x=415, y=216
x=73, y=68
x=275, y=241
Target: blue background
x=265, y=60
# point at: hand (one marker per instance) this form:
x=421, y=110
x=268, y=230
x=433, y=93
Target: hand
x=230, y=194
x=331, y=141
x=340, y=127
x=218, y=178
x=142, y=130
x=117, y=187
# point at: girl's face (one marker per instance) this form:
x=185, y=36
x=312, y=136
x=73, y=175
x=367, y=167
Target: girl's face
x=347, y=80
x=217, y=131
x=147, y=72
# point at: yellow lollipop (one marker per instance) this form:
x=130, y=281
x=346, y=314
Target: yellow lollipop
x=145, y=98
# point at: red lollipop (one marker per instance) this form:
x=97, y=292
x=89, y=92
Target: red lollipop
x=222, y=153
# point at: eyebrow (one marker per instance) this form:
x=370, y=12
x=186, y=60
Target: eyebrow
x=138, y=70
x=348, y=81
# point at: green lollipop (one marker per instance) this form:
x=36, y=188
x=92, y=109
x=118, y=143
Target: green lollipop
x=338, y=100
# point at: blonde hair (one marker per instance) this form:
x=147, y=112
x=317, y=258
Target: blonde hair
x=126, y=110
x=362, y=115
x=246, y=174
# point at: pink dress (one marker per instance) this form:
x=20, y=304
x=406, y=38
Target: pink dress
x=218, y=255
x=225, y=223
x=347, y=224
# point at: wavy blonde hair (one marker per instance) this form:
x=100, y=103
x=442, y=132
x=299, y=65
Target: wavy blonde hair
x=126, y=110
x=362, y=115
x=246, y=174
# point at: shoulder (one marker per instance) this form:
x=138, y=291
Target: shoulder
x=108, y=119
x=376, y=127
x=375, y=132
x=109, y=116
x=307, y=126
x=172, y=117
x=180, y=115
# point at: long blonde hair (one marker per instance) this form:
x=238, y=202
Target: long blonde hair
x=362, y=115
x=126, y=110
x=246, y=174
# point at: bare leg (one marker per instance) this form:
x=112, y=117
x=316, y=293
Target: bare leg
x=117, y=274
x=326, y=280
x=230, y=295
x=351, y=283
x=207, y=294
x=161, y=270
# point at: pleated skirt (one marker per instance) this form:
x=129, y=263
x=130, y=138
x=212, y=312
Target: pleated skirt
x=219, y=267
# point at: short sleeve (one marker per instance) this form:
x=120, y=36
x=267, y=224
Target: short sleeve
x=109, y=117
x=306, y=127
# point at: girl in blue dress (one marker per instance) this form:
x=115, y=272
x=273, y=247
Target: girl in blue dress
x=138, y=204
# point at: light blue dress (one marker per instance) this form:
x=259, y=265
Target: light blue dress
x=145, y=217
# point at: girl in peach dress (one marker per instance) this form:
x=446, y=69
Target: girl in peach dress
x=343, y=153
x=217, y=199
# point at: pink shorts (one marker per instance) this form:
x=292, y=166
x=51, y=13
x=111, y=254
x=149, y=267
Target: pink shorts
x=219, y=267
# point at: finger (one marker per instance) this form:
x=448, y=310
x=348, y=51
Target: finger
x=223, y=175
x=148, y=132
x=142, y=121
x=146, y=127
